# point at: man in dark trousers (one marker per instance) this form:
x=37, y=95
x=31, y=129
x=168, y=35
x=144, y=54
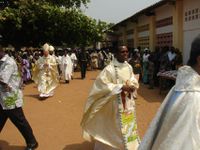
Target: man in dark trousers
x=11, y=99
x=83, y=59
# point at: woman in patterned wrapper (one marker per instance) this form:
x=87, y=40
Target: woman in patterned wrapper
x=25, y=69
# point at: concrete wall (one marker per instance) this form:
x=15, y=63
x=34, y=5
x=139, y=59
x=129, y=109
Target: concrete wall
x=143, y=20
x=186, y=26
x=163, y=12
x=191, y=25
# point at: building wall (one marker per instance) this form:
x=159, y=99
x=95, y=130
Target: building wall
x=129, y=26
x=120, y=37
x=164, y=25
x=130, y=34
x=143, y=31
x=191, y=25
x=176, y=24
x=130, y=38
x=143, y=20
x=163, y=12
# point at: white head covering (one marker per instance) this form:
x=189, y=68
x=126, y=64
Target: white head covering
x=51, y=48
x=45, y=47
x=146, y=49
x=136, y=50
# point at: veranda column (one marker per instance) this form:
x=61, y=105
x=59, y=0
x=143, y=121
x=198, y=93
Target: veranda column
x=136, y=44
x=124, y=36
x=178, y=25
x=152, y=32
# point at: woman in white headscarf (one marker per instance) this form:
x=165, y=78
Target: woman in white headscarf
x=177, y=123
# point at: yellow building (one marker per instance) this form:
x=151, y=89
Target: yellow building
x=166, y=23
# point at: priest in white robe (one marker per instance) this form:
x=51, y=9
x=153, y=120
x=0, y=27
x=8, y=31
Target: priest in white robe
x=109, y=117
x=46, y=74
x=176, y=125
x=74, y=61
x=67, y=67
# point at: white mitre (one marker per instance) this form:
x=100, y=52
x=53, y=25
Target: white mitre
x=46, y=47
x=51, y=48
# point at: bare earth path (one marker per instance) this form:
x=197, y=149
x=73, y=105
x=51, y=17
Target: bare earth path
x=56, y=121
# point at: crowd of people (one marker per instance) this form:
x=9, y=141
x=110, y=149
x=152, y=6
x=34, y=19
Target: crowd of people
x=60, y=64
x=110, y=116
x=147, y=64
x=46, y=67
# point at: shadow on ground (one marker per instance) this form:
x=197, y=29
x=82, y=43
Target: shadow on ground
x=93, y=79
x=33, y=96
x=78, y=78
x=81, y=146
x=151, y=95
x=6, y=146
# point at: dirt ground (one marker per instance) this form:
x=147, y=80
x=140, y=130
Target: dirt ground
x=56, y=121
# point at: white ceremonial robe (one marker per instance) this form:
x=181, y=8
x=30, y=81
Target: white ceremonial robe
x=100, y=120
x=46, y=76
x=67, y=67
x=74, y=62
x=176, y=125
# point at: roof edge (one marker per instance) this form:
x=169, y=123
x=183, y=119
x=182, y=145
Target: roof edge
x=147, y=11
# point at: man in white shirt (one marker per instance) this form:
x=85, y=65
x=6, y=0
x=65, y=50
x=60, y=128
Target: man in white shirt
x=67, y=67
x=11, y=99
x=74, y=61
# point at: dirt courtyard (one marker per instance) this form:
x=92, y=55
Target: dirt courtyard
x=56, y=121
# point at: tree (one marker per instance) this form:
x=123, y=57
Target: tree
x=34, y=22
x=65, y=3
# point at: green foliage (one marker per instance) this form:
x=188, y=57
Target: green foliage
x=69, y=3
x=65, y=3
x=34, y=22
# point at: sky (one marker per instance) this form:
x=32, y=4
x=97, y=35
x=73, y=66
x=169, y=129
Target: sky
x=114, y=11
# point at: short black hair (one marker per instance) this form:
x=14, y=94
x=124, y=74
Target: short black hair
x=195, y=51
x=119, y=48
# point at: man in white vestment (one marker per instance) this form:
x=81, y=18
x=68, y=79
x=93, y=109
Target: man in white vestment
x=51, y=51
x=46, y=73
x=176, y=125
x=67, y=67
x=94, y=59
x=110, y=104
x=74, y=61
x=56, y=59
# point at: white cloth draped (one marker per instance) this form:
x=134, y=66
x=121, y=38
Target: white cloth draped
x=74, y=62
x=176, y=125
x=100, y=120
x=46, y=75
x=67, y=67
